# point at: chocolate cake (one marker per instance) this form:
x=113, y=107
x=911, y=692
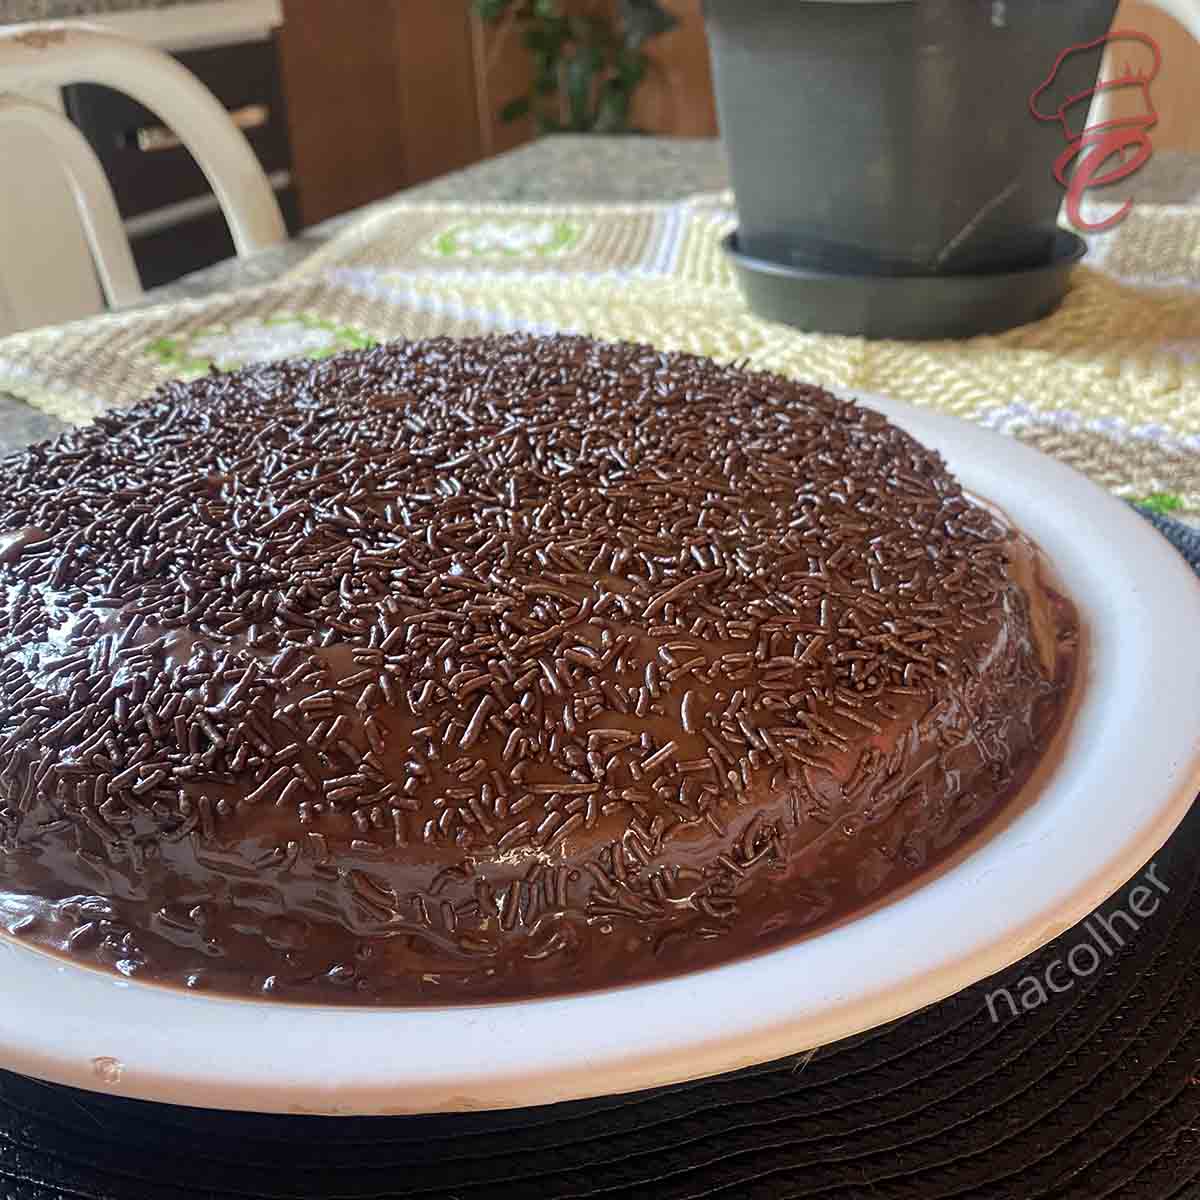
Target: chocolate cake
x=453, y=670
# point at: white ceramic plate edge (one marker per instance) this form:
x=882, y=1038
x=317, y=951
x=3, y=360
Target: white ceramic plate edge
x=1103, y=814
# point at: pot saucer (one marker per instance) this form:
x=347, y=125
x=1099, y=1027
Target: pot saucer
x=905, y=306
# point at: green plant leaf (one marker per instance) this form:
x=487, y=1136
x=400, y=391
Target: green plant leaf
x=1160, y=502
x=542, y=41
x=516, y=108
x=580, y=76
x=585, y=67
x=612, y=111
x=645, y=19
x=492, y=10
x=631, y=68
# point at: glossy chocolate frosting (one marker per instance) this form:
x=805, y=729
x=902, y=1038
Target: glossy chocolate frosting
x=453, y=670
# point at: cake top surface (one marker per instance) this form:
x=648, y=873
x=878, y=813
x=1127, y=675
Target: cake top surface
x=489, y=599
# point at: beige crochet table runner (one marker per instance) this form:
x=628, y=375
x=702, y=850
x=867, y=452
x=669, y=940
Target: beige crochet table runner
x=1110, y=383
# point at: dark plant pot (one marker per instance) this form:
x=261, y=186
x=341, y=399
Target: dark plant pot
x=895, y=137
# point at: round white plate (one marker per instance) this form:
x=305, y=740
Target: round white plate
x=1130, y=770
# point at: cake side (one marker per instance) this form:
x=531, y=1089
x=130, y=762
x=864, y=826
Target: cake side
x=499, y=667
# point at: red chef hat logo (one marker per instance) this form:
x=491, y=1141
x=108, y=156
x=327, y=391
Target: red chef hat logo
x=1110, y=150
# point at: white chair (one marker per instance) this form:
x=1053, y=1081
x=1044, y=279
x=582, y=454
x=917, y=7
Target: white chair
x=40, y=58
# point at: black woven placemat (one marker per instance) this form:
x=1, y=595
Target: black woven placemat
x=1086, y=1092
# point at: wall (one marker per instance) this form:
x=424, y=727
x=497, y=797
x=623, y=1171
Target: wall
x=677, y=97
x=1176, y=92
x=501, y=73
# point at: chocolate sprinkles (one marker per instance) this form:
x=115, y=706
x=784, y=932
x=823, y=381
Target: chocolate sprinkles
x=603, y=639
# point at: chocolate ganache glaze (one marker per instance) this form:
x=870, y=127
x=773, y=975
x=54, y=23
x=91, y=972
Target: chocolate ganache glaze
x=454, y=670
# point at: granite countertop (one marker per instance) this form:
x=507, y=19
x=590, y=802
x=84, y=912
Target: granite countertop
x=566, y=168
x=60, y=10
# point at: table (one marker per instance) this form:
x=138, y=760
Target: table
x=568, y=167
x=1092, y=1095
x=585, y=168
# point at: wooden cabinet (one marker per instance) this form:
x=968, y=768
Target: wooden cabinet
x=382, y=95
x=342, y=86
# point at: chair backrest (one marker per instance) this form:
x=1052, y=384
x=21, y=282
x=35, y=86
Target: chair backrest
x=52, y=54
x=93, y=197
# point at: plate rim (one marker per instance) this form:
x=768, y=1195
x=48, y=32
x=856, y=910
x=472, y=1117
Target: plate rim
x=126, y=1038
